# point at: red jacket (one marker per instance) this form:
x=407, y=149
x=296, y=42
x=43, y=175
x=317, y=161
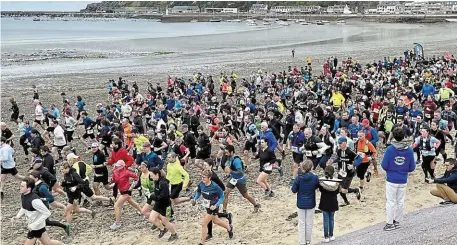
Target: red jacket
x=121, y=178
x=121, y=154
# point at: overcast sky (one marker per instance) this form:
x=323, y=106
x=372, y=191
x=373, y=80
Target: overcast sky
x=44, y=5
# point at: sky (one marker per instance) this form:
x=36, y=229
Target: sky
x=44, y=5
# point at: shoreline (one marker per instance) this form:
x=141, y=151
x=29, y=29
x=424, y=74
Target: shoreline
x=206, y=17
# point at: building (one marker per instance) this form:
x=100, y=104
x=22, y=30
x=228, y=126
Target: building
x=222, y=10
x=185, y=10
x=338, y=9
x=389, y=7
x=136, y=10
x=259, y=8
x=295, y=9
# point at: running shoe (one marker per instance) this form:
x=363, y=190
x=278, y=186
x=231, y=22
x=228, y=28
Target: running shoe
x=115, y=226
x=229, y=217
x=267, y=192
x=396, y=224
x=281, y=171
x=272, y=194
x=256, y=208
x=85, y=203
x=208, y=237
x=112, y=200
x=162, y=233
x=345, y=204
x=187, y=193
x=358, y=194
x=368, y=176
x=173, y=237
x=67, y=229
x=332, y=238
x=154, y=227
x=231, y=232
x=447, y=203
x=172, y=218
x=93, y=214
x=326, y=240
x=389, y=227
x=2, y=195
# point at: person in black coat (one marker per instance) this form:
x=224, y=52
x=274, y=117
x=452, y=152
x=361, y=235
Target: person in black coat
x=329, y=188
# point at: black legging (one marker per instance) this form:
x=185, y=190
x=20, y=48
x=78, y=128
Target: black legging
x=426, y=166
x=55, y=223
x=210, y=224
x=23, y=143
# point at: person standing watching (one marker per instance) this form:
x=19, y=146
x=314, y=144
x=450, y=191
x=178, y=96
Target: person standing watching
x=398, y=161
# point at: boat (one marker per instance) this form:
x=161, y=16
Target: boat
x=283, y=23
x=266, y=23
x=194, y=20
x=236, y=20
x=251, y=24
x=215, y=20
x=451, y=20
x=36, y=19
x=319, y=23
x=304, y=23
x=341, y=22
x=325, y=21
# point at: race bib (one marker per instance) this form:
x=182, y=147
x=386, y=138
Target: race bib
x=413, y=119
x=90, y=131
x=213, y=107
x=233, y=181
x=376, y=110
x=267, y=167
x=308, y=153
x=206, y=203
x=294, y=149
x=208, y=121
x=342, y=173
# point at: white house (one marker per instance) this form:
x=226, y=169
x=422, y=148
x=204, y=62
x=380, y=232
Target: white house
x=286, y=9
x=185, y=9
x=389, y=7
x=259, y=8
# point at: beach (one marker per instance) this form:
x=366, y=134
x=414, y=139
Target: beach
x=80, y=63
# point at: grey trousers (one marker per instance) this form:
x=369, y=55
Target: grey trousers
x=305, y=225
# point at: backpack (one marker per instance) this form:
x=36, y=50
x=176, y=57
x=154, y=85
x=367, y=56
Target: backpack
x=89, y=169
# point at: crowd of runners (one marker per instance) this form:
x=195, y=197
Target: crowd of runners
x=150, y=142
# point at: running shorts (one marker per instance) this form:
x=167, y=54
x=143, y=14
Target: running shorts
x=242, y=188
x=12, y=171
x=175, y=190
x=36, y=233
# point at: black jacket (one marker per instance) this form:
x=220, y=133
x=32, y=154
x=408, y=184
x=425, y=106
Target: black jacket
x=48, y=162
x=449, y=178
x=329, y=192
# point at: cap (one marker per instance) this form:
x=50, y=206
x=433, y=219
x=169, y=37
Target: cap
x=365, y=122
x=119, y=163
x=37, y=161
x=147, y=144
x=71, y=156
x=95, y=144
x=342, y=140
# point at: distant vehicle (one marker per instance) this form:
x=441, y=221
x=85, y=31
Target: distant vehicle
x=36, y=19
x=215, y=20
x=194, y=20
x=304, y=23
x=341, y=22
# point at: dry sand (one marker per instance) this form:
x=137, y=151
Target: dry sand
x=269, y=226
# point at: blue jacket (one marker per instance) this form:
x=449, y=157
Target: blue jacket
x=80, y=104
x=305, y=186
x=152, y=159
x=398, y=161
x=272, y=142
x=374, y=134
x=449, y=178
x=428, y=89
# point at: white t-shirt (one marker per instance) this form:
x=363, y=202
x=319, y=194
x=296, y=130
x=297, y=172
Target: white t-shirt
x=39, y=113
x=70, y=123
x=59, y=136
x=126, y=110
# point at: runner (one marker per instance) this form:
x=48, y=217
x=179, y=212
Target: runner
x=296, y=145
x=161, y=212
x=267, y=161
x=235, y=167
x=36, y=212
x=42, y=190
x=121, y=177
x=100, y=169
x=213, y=196
x=73, y=184
x=203, y=147
x=427, y=145
x=8, y=164
x=175, y=173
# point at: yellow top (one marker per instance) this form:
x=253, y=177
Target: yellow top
x=139, y=142
x=280, y=106
x=337, y=99
x=175, y=172
x=308, y=60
